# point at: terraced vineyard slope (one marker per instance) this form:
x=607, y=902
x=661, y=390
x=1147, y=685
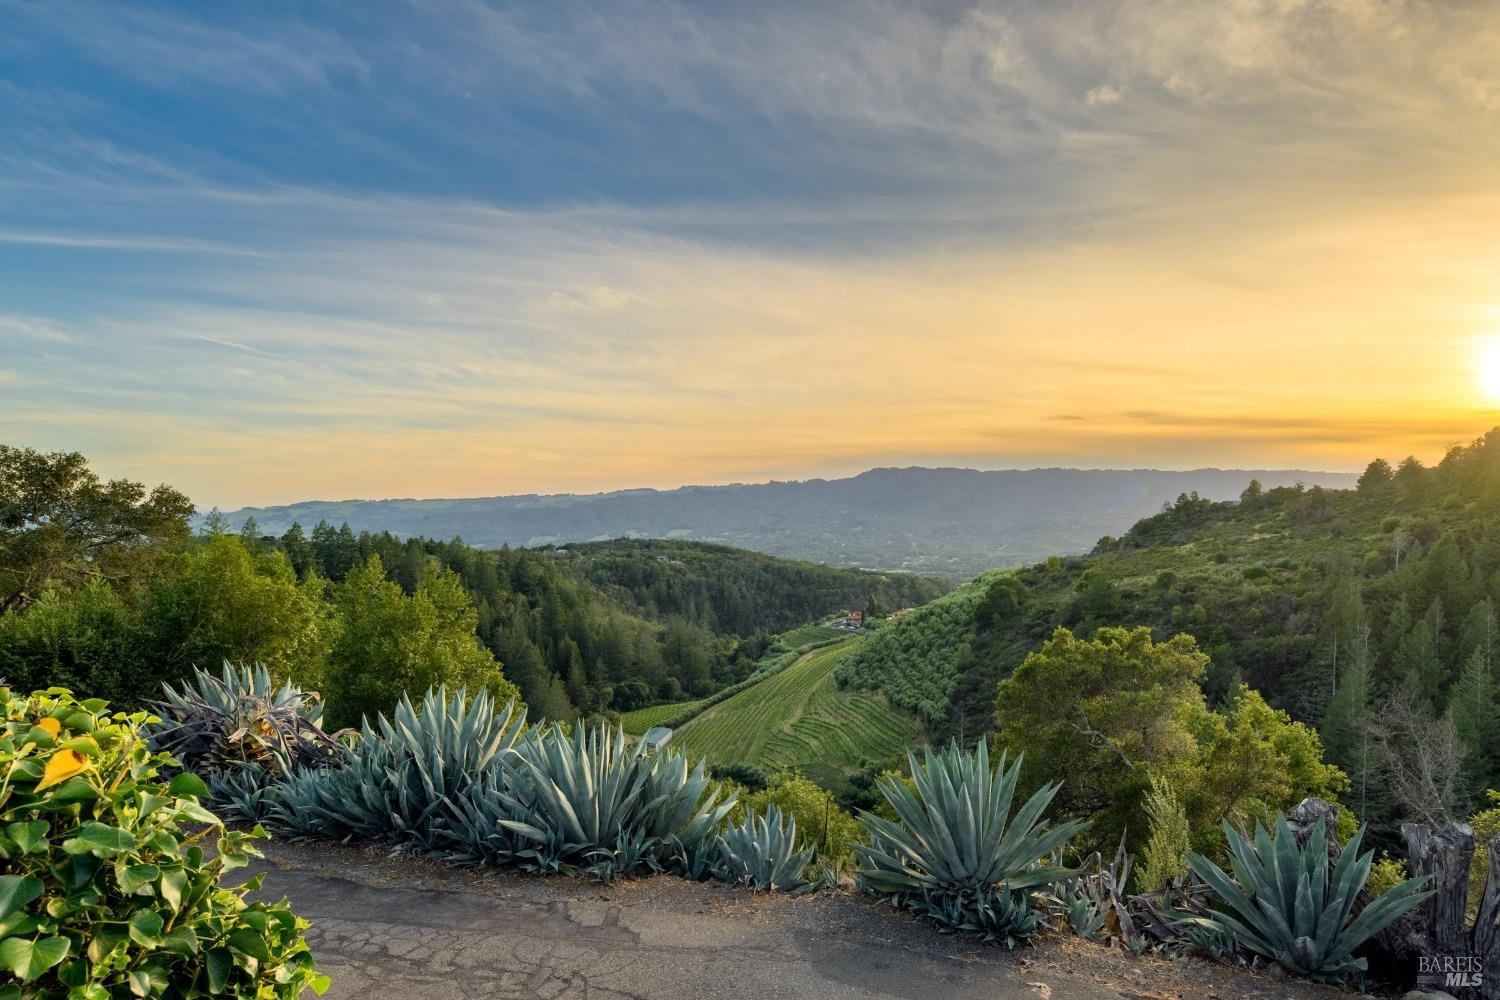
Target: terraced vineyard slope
x=799, y=718
x=637, y=722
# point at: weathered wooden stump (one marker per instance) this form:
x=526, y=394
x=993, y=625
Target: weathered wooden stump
x=1446, y=857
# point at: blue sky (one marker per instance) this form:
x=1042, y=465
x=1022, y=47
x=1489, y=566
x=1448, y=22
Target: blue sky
x=286, y=250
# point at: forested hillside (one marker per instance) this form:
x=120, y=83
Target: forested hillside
x=616, y=625
x=135, y=599
x=737, y=591
x=1368, y=613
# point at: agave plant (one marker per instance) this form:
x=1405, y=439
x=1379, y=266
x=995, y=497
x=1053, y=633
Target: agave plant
x=239, y=718
x=761, y=852
x=956, y=853
x=591, y=795
x=1085, y=908
x=401, y=779
x=1285, y=904
x=243, y=792
x=955, y=831
x=994, y=914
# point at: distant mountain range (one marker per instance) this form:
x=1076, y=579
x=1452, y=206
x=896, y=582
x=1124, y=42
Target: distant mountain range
x=954, y=523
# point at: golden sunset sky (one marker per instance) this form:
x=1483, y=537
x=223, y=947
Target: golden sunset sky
x=472, y=250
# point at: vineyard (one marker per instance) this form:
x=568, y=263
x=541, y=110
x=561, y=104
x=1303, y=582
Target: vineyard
x=799, y=718
x=637, y=722
x=915, y=661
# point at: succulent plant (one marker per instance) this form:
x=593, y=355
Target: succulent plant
x=1283, y=902
x=955, y=831
x=243, y=792
x=956, y=854
x=402, y=778
x=239, y=718
x=1085, y=910
x=761, y=852
x=573, y=797
x=995, y=914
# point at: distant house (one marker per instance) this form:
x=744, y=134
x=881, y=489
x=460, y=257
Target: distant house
x=854, y=619
x=655, y=738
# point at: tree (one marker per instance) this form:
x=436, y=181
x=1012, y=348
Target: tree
x=219, y=601
x=60, y=524
x=1348, y=732
x=1418, y=660
x=1421, y=759
x=1105, y=716
x=1252, y=761
x=1099, y=715
x=1410, y=472
x=1377, y=476
x=87, y=640
x=298, y=550
x=390, y=644
x=1003, y=603
x=1164, y=858
x=1474, y=712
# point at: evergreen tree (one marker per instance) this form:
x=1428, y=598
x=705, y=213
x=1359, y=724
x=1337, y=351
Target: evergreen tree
x=1475, y=712
x=1164, y=858
x=1347, y=729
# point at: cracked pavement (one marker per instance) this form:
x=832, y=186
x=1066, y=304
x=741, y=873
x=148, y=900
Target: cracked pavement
x=396, y=926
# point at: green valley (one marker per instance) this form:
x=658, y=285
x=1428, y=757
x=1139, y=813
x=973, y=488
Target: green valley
x=800, y=719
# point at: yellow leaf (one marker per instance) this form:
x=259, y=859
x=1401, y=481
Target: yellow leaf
x=51, y=725
x=62, y=766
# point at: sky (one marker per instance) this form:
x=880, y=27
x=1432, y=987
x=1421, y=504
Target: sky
x=279, y=251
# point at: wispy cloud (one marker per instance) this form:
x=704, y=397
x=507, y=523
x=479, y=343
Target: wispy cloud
x=470, y=248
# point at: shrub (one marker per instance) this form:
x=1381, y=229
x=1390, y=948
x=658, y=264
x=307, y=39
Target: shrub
x=955, y=852
x=1284, y=903
x=1385, y=874
x=103, y=893
x=747, y=776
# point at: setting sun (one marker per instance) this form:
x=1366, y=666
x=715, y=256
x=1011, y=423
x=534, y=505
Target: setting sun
x=1489, y=367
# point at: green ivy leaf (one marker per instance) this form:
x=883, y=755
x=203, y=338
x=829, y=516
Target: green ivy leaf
x=65, y=795
x=173, y=883
x=145, y=928
x=180, y=941
x=188, y=783
x=219, y=963
x=131, y=879
x=29, y=959
x=16, y=891
x=83, y=745
x=28, y=837
x=248, y=942
x=98, y=838
x=149, y=803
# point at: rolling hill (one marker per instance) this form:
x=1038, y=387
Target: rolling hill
x=953, y=522
x=1351, y=609
x=799, y=718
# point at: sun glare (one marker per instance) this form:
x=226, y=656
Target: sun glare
x=1489, y=367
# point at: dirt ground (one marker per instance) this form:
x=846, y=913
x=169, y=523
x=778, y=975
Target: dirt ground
x=395, y=926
